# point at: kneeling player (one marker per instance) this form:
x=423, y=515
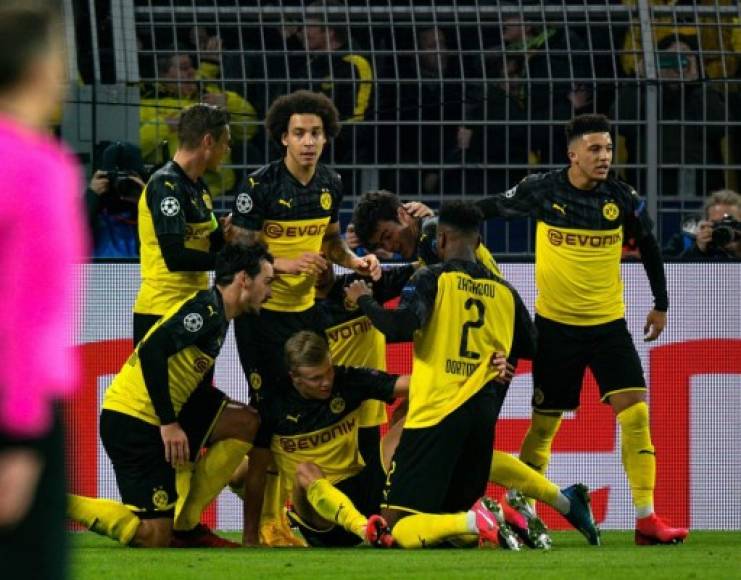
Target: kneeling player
x=149, y=439
x=312, y=431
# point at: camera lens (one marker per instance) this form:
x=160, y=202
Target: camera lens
x=722, y=235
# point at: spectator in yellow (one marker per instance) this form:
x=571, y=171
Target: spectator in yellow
x=180, y=86
x=715, y=34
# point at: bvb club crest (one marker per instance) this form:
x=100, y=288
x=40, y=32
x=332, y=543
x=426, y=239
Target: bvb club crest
x=610, y=211
x=255, y=381
x=538, y=397
x=160, y=499
x=337, y=405
x=326, y=200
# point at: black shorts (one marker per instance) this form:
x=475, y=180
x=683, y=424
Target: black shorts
x=260, y=340
x=369, y=445
x=565, y=351
x=445, y=468
x=145, y=480
x=365, y=490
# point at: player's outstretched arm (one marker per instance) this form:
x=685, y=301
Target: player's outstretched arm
x=337, y=251
x=401, y=388
x=396, y=325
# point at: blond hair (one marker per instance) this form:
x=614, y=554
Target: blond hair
x=722, y=197
x=305, y=349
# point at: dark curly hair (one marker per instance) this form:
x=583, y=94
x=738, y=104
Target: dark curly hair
x=372, y=207
x=460, y=215
x=234, y=258
x=301, y=103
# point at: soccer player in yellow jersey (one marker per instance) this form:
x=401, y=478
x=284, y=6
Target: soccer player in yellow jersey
x=410, y=229
x=292, y=205
x=178, y=231
x=149, y=432
x=583, y=216
x=311, y=430
x=459, y=315
x=354, y=342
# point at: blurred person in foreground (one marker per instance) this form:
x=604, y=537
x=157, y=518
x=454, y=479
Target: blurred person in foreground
x=41, y=239
x=718, y=235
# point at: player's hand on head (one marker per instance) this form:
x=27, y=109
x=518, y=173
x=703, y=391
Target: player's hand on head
x=418, y=209
x=368, y=265
x=356, y=289
x=655, y=324
x=175, y=440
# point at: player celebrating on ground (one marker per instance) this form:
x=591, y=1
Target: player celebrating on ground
x=312, y=431
x=583, y=215
x=442, y=463
x=382, y=220
x=147, y=430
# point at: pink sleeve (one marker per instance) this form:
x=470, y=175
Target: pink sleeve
x=39, y=289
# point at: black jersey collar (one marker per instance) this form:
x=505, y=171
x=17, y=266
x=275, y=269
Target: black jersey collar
x=293, y=178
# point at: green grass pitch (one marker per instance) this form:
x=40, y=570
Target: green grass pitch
x=705, y=555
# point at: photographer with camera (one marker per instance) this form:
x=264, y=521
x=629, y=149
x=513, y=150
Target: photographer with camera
x=111, y=199
x=718, y=236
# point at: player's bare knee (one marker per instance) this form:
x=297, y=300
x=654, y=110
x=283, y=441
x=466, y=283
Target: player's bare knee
x=238, y=421
x=307, y=473
x=621, y=401
x=250, y=423
x=392, y=517
x=155, y=533
x=239, y=476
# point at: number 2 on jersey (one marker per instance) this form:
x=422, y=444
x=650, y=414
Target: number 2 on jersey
x=471, y=324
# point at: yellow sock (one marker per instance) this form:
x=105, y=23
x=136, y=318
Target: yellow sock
x=510, y=472
x=639, y=459
x=423, y=530
x=536, y=447
x=103, y=516
x=535, y=451
x=210, y=474
x=334, y=506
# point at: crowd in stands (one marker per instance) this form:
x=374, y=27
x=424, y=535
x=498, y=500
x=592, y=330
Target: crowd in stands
x=434, y=108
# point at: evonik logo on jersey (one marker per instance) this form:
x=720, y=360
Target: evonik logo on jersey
x=276, y=230
x=558, y=238
x=306, y=442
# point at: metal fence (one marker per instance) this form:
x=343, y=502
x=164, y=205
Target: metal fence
x=438, y=98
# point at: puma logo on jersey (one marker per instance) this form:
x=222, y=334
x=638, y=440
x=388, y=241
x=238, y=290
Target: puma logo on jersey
x=561, y=208
x=170, y=185
x=211, y=310
x=285, y=202
x=252, y=181
x=293, y=418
